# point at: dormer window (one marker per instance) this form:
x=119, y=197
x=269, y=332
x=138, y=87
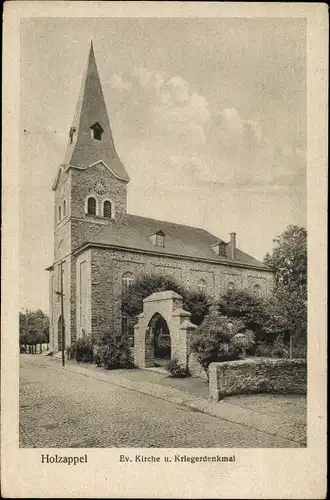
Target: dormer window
x=97, y=131
x=158, y=239
x=219, y=248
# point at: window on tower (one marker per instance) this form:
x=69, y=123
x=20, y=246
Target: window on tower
x=91, y=206
x=107, y=209
x=97, y=131
x=64, y=208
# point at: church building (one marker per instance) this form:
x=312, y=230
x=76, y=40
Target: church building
x=103, y=249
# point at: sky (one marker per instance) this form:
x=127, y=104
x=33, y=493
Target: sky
x=208, y=116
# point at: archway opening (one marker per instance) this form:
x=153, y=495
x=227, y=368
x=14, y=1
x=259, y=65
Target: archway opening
x=160, y=340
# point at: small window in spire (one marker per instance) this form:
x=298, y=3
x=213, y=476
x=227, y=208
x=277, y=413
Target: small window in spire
x=97, y=131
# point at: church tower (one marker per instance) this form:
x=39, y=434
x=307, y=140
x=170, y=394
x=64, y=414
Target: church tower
x=90, y=192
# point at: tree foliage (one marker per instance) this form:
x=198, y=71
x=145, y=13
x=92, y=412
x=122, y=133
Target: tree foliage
x=249, y=308
x=288, y=305
x=220, y=338
x=33, y=327
x=289, y=260
x=197, y=303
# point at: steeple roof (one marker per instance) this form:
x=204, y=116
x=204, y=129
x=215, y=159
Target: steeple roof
x=90, y=137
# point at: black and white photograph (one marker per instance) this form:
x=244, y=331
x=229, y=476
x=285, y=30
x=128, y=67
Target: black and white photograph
x=163, y=291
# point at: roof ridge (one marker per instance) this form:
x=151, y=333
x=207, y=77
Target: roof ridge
x=172, y=222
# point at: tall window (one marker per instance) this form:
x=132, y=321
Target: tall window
x=127, y=280
x=127, y=323
x=64, y=208
x=257, y=290
x=91, y=206
x=107, y=209
x=59, y=213
x=201, y=285
x=231, y=285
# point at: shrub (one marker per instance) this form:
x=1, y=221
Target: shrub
x=277, y=349
x=176, y=369
x=81, y=350
x=113, y=351
x=220, y=338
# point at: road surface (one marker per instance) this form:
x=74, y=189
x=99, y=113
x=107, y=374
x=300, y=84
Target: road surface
x=63, y=409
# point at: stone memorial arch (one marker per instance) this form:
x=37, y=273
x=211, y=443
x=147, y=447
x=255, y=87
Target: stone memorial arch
x=167, y=305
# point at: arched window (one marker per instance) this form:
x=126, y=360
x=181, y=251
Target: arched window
x=59, y=213
x=64, y=208
x=107, y=209
x=231, y=285
x=127, y=280
x=91, y=206
x=257, y=290
x=201, y=285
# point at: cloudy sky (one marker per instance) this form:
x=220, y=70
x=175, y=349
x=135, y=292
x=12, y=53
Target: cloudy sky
x=208, y=117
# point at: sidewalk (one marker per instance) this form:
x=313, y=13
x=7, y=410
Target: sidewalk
x=277, y=415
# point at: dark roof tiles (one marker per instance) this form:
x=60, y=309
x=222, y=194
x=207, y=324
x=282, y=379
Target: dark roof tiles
x=180, y=240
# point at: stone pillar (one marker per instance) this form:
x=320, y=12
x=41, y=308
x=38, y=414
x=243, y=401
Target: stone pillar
x=139, y=343
x=187, y=328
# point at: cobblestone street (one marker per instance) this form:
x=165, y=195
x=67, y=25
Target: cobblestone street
x=63, y=408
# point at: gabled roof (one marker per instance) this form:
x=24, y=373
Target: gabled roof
x=82, y=150
x=180, y=240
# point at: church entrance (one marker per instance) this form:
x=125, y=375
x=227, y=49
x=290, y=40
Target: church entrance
x=59, y=333
x=161, y=338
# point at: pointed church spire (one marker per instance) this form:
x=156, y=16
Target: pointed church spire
x=90, y=137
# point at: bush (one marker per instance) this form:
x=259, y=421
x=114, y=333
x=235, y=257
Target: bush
x=277, y=349
x=81, y=350
x=113, y=351
x=220, y=338
x=176, y=369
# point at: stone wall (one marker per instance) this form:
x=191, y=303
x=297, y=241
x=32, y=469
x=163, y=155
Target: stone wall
x=257, y=375
x=108, y=266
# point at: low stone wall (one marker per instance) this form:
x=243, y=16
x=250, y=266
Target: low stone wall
x=255, y=375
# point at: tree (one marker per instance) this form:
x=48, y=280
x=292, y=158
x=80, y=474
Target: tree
x=195, y=302
x=33, y=328
x=289, y=301
x=143, y=286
